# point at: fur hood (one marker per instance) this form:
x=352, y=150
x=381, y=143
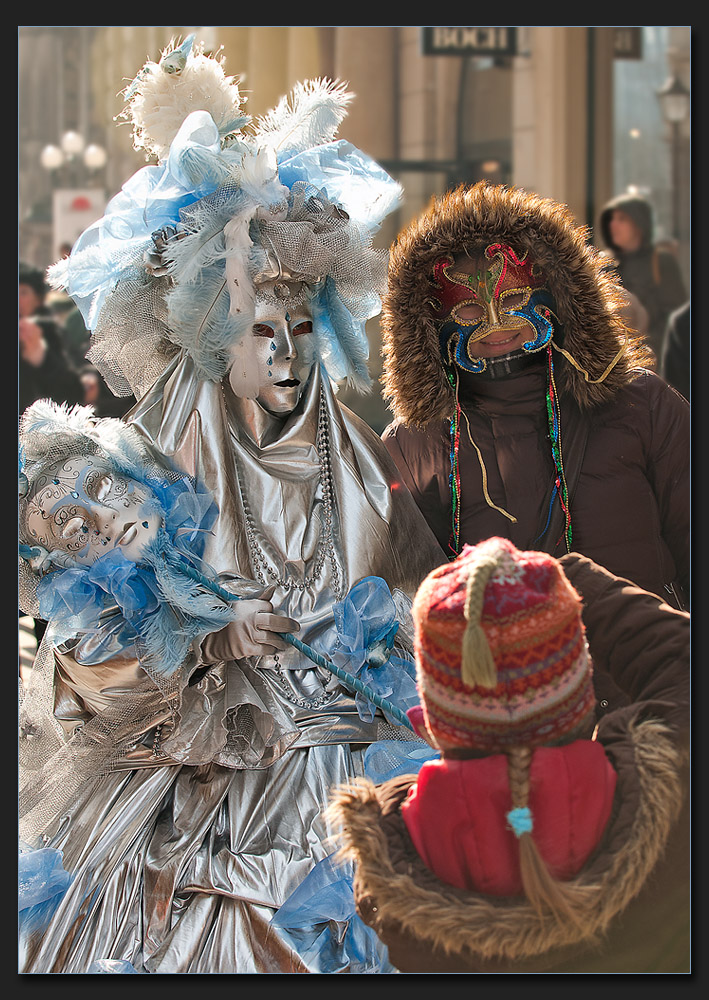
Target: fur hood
x=398, y=892
x=587, y=298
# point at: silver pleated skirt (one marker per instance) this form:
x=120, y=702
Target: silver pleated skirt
x=179, y=869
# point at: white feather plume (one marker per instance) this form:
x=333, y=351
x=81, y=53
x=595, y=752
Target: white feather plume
x=163, y=94
x=309, y=116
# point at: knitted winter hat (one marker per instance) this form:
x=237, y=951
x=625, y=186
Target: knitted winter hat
x=501, y=651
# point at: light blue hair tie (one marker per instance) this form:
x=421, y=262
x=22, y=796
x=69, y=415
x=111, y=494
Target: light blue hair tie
x=520, y=820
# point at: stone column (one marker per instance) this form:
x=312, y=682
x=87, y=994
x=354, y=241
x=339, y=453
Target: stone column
x=549, y=117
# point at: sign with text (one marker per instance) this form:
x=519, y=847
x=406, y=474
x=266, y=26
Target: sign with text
x=471, y=41
x=627, y=42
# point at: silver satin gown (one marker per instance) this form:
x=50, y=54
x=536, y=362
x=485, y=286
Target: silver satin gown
x=184, y=850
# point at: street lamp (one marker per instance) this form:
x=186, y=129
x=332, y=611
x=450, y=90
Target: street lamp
x=95, y=157
x=72, y=145
x=674, y=103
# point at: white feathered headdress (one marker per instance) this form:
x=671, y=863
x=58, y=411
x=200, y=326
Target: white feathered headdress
x=230, y=200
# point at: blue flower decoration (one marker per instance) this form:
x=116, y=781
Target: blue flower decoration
x=366, y=625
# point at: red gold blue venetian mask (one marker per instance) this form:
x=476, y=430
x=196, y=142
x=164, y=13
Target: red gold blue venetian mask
x=497, y=298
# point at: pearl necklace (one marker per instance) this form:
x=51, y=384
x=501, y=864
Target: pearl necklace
x=265, y=572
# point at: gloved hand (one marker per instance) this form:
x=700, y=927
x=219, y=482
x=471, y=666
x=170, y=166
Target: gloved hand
x=253, y=632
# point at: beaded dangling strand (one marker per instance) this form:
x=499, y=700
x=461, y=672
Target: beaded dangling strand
x=454, y=478
x=554, y=418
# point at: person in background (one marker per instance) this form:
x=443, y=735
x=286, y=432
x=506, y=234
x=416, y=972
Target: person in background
x=71, y=325
x=541, y=840
x=676, y=365
x=648, y=270
x=44, y=369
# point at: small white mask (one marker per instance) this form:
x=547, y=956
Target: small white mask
x=85, y=509
x=284, y=348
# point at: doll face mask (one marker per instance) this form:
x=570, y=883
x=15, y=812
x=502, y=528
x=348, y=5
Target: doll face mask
x=84, y=508
x=489, y=306
x=284, y=345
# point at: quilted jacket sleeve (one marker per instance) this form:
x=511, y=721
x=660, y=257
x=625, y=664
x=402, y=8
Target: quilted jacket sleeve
x=636, y=637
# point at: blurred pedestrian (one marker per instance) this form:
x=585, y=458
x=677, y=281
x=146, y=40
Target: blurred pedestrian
x=99, y=396
x=676, y=364
x=75, y=336
x=541, y=840
x=44, y=370
x=649, y=270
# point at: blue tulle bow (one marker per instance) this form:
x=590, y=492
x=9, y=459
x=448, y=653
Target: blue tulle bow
x=366, y=625
x=111, y=966
x=321, y=922
x=190, y=515
x=388, y=759
x=132, y=587
x=42, y=884
x=68, y=593
x=152, y=198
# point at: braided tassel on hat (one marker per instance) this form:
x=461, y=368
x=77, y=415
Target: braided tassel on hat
x=477, y=663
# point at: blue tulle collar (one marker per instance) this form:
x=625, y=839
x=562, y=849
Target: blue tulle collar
x=148, y=595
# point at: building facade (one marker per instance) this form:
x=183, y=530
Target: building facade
x=570, y=112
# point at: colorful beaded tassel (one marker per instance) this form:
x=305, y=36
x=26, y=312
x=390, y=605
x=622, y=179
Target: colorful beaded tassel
x=554, y=418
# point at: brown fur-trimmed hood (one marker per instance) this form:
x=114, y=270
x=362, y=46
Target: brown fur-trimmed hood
x=587, y=298
x=403, y=901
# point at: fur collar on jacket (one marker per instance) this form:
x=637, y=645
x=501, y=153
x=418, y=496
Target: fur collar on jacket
x=588, y=301
x=404, y=894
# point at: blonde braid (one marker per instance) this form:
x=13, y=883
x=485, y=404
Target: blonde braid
x=545, y=893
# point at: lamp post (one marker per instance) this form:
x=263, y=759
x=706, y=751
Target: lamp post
x=76, y=203
x=72, y=147
x=674, y=103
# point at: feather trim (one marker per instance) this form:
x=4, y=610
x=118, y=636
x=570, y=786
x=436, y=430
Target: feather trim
x=163, y=94
x=310, y=116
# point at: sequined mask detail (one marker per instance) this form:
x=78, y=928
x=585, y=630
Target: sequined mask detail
x=508, y=293
x=84, y=508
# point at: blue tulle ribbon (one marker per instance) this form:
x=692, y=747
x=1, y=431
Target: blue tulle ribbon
x=131, y=586
x=68, y=593
x=42, y=884
x=388, y=759
x=366, y=622
x=321, y=923
x=349, y=177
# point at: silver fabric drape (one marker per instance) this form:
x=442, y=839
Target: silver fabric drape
x=180, y=861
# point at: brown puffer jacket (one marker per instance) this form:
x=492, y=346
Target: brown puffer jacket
x=637, y=880
x=625, y=433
